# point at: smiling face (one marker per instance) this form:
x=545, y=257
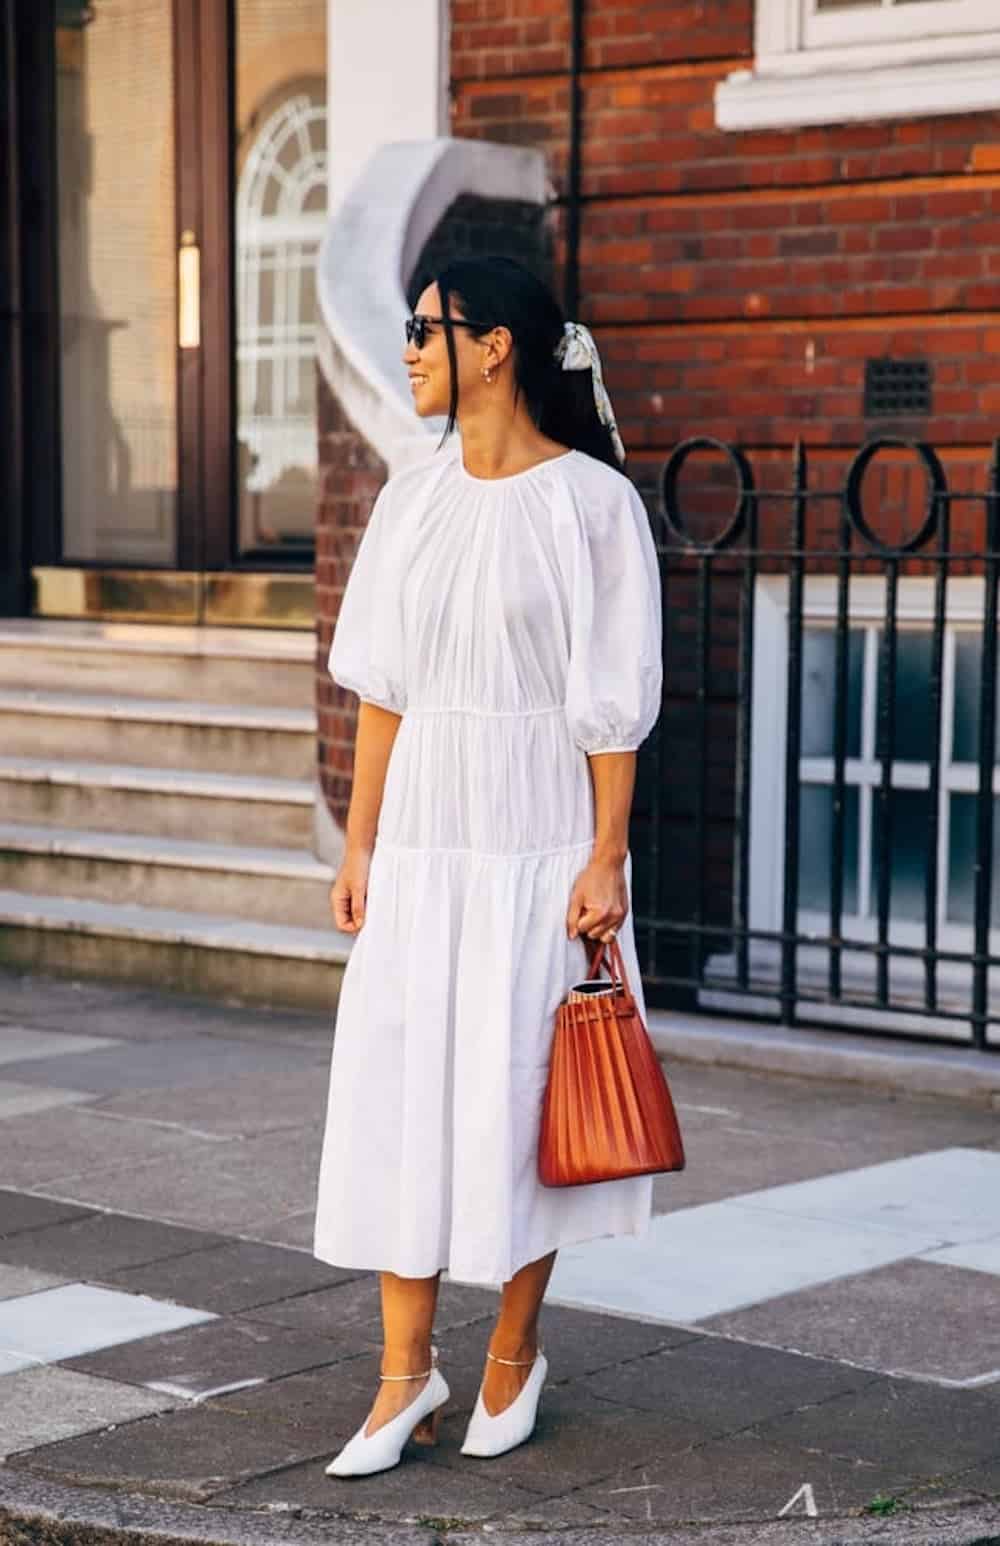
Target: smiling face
x=429, y=368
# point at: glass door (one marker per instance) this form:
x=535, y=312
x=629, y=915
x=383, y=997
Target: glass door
x=177, y=199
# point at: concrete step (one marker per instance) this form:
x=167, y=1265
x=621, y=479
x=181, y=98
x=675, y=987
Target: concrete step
x=203, y=665
x=201, y=953
x=105, y=797
x=207, y=737
x=270, y=885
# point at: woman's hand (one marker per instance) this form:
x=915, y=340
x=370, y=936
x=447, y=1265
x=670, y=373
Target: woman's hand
x=349, y=891
x=599, y=900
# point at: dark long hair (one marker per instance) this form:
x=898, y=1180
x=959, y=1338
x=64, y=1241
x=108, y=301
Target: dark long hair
x=500, y=292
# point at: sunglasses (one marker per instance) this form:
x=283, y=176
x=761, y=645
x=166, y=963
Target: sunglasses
x=417, y=325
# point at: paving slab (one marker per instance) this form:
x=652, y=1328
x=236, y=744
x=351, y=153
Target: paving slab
x=146, y=1015
x=421, y=1490
x=238, y=1105
x=20, y=1210
x=226, y=1142
x=57, y=1323
x=25, y=996
x=229, y=1275
x=189, y=1453
x=16, y=1281
x=576, y=1440
x=219, y=1356
x=356, y=1302
x=919, y=1428
x=73, y=1148
x=11, y=1363
x=845, y=1115
x=296, y=1229
x=44, y=1405
x=727, y=1385
x=33, y=1506
x=20, y=1044
x=720, y=1257
x=168, y=1065
x=100, y=1244
x=952, y=1193
x=743, y=1477
x=914, y=1317
x=722, y=1153
x=977, y=1255
x=576, y=1343
x=205, y=1184
x=984, y=1479
x=327, y=1402
x=20, y=1099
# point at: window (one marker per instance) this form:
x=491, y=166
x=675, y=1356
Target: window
x=829, y=61
x=910, y=810
x=280, y=220
x=835, y=23
x=910, y=796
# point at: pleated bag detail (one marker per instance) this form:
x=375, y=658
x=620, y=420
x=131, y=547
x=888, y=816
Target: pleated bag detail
x=607, y=1112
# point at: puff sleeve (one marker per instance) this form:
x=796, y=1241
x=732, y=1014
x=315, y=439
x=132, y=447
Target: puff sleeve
x=367, y=652
x=615, y=671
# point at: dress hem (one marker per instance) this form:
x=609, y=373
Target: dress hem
x=641, y=1229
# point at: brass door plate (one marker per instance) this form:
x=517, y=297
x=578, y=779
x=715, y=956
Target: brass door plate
x=177, y=596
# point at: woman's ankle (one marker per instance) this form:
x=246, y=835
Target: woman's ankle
x=406, y=1359
x=514, y=1347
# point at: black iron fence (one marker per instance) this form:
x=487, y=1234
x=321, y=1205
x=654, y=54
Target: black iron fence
x=817, y=818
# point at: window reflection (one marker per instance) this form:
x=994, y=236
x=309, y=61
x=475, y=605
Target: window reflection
x=117, y=257
x=280, y=212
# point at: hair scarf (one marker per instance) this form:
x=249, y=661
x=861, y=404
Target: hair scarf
x=576, y=350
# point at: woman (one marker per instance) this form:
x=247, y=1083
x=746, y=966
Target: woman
x=501, y=626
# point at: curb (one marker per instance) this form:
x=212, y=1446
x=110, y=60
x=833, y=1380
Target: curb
x=39, y=1513
x=945, y=1072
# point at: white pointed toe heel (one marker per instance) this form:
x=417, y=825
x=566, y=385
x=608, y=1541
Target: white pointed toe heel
x=493, y=1435
x=366, y=1453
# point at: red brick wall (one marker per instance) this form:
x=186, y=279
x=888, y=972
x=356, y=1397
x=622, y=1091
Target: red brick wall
x=352, y=475
x=737, y=283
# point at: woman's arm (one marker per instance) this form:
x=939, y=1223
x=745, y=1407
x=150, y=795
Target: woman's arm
x=599, y=899
x=377, y=728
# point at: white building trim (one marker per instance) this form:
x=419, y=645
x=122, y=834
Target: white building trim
x=388, y=67
x=886, y=61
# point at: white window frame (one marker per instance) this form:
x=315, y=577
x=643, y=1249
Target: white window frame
x=964, y=609
x=896, y=61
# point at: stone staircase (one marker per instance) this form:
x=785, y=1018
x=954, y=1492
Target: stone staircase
x=156, y=810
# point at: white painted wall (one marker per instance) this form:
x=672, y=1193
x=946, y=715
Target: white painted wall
x=387, y=80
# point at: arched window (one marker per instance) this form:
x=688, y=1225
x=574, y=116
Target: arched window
x=280, y=214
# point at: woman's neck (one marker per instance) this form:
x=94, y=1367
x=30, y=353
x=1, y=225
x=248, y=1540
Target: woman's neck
x=498, y=440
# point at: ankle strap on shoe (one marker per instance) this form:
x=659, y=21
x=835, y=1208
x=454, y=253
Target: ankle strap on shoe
x=514, y=1363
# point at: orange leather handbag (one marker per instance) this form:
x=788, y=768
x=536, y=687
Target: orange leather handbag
x=608, y=1111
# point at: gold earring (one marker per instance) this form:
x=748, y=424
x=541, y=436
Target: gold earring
x=488, y=374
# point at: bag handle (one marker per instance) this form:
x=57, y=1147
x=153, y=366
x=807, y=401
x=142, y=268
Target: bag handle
x=614, y=965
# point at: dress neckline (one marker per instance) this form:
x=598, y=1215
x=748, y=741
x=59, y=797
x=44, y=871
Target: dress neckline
x=512, y=477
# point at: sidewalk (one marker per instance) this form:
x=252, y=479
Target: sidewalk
x=805, y=1345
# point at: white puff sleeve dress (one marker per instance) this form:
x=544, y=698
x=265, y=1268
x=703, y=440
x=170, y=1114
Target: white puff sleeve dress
x=515, y=625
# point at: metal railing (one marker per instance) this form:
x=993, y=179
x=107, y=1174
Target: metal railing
x=804, y=845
